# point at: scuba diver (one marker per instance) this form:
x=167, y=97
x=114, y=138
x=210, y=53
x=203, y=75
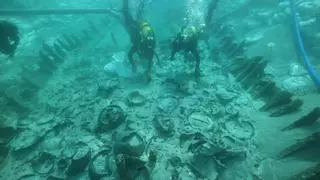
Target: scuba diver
x=9, y=38
x=142, y=38
x=188, y=37
x=187, y=40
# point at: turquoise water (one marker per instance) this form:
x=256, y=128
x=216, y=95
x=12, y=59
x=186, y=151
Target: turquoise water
x=74, y=107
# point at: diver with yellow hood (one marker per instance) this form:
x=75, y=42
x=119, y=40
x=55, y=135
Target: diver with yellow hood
x=142, y=38
x=187, y=38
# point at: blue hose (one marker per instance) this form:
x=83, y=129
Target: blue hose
x=313, y=74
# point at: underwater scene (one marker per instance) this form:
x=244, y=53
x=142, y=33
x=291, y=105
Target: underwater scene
x=160, y=90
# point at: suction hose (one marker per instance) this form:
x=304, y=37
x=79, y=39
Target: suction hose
x=312, y=72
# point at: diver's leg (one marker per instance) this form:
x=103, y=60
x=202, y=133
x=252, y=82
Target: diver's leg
x=206, y=41
x=196, y=54
x=157, y=58
x=133, y=50
x=149, y=68
x=173, y=52
x=175, y=47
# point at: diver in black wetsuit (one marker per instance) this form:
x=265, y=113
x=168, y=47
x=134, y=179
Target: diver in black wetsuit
x=142, y=38
x=187, y=38
x=9, y=38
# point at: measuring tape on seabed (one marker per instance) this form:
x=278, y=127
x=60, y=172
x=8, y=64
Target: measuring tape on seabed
x=312, y=72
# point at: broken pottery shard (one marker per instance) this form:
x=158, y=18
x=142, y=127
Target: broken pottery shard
x=232, y=110
x=80, y=160
x=224, y=95
x=164, y=125
x=167, y=104
x=43, y=163
x=242, y=130
x=215, y=110
x=110, y=118
x=306, y=120
x=200, y=121
x=204, y=167
x=97, y=166
x=302, y=144
x=24, y=140
x=135, y=98
x=105, y=89
x=130, y=167
x=130, y=143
